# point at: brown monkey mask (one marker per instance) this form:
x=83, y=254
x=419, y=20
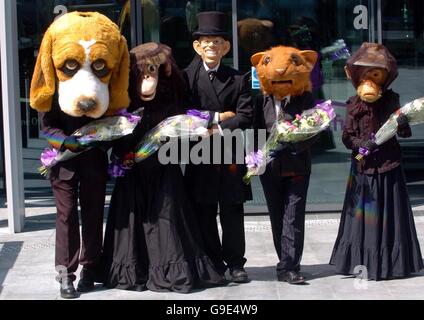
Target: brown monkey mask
x=371, y=69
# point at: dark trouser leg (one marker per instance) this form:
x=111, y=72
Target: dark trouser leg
x=233, y=238
x=92, y=200
x=273, y=190
x=293, y=223
x=209, y=229
x=67, y=226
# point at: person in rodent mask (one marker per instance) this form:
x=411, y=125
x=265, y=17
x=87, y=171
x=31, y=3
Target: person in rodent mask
x=377, y=224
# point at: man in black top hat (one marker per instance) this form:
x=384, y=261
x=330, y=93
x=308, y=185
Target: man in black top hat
x=226, y=94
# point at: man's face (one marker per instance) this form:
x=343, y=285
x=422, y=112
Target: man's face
x=211, y=49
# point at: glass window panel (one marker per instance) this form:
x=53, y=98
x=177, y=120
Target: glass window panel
x=403, y=34
x=173, y=22
x=326, y=27
x=34, y=17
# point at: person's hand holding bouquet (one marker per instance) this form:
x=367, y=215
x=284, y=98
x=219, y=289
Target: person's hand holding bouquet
x=98, y=133
x=286, y=133
x=410, y=114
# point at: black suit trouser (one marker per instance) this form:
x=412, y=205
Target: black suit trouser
x=88, y=184
x=233, y=245
x=286, y=200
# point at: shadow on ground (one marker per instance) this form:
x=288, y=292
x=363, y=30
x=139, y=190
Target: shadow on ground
x=9, y=252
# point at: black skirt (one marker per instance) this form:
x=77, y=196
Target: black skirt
x=377, y=228
x=152, y=240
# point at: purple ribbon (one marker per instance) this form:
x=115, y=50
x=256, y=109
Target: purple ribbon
x=131, y=117
x=254, y=159
x=201, y=114
x=48, y=157
x=327, y=107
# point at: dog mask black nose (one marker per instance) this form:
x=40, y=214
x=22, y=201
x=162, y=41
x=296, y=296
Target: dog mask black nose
x=87, y=105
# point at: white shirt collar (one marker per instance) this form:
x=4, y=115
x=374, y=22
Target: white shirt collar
x=209, y=69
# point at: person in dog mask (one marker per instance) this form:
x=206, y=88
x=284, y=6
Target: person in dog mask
x=84, y=63
x=226, y=94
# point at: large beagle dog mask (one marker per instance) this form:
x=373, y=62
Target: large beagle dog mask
x=85, y=58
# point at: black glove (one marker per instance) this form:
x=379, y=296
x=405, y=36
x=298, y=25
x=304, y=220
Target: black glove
x=72, y=144
x=370, y=145
x=282, y=146
x=402, y=121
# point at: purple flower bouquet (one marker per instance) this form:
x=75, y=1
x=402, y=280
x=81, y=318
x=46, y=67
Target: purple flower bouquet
x=183, y=126
x=105, y=129
x=305, y=126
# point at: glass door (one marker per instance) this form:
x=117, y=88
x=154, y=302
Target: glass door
x=403, y=33
x=34, y=17
x=333, y=28
x=2, y=173
x=173, y=22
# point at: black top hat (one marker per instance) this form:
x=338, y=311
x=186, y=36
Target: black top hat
x=211, y=23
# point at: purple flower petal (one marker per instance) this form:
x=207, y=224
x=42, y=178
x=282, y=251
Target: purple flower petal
x=254, y=159
x=364, y=151
x=117, y=169
x=48, y=157
x=201, y=114
x=327, y=107
x=131, y=117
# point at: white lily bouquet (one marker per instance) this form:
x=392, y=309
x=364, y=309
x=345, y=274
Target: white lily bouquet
x=413, y=110
x=105, y=129
x=303, y=127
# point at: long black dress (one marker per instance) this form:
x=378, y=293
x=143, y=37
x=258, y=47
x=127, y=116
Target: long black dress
x=377, y=228
x=151, y=239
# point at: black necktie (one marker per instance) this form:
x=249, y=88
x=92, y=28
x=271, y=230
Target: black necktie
x=211, y=75
x=283, y=103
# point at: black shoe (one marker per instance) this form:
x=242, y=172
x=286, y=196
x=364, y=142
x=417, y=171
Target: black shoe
x=292, y=277
x=86, y=282
x=239, y=275
x=67, y=290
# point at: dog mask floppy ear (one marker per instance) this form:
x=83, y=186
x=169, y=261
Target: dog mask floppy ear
x=118, y=85
x=43, y=79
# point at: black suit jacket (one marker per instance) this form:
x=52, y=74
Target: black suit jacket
x=212, y=183
x=296, y=158
x=57, y=126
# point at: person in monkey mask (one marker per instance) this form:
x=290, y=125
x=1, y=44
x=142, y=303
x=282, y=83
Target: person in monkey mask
x=377, y=227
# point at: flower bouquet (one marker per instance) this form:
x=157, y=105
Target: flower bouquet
x=183, y=126
x=303, y=127
x=106, y=129
x=413, y=110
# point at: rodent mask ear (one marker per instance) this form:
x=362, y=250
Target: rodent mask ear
x=256, y=58
x=118, y=85
x=43, y=79
x=347, y=72
x=310, y=57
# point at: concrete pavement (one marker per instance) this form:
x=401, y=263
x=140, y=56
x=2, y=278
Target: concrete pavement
x=27, y=266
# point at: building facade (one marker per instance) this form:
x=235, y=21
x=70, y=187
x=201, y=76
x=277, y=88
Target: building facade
x=334, y=28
